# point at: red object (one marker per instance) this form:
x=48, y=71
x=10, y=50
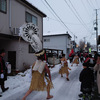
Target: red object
x=86, y=59
x=72, y=51
x=45, y=57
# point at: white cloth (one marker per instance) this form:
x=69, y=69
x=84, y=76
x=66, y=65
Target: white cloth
x=9, y=68
x=1, y=76
x=60, y=66
x=39, y=66
x=91, y=61
x=62, y=63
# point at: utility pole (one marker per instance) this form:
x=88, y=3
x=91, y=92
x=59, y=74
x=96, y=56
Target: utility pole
x=74, y=42
x=96, y=28
x=84, y=39
x=84, y=42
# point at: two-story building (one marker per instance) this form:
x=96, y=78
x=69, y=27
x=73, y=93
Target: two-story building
x=57, y=41
x=13, y=14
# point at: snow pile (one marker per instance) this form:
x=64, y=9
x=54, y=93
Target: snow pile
x=19, y=82
x=16, y=83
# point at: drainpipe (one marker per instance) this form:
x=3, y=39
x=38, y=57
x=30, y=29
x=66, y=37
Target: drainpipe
x=10, y=16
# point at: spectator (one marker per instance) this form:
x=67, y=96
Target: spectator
x=97, y=68
x=86, y=59
x=81, y=57
x=91, y=61
x=86, y=78
x=95, y=56
x=3, y=71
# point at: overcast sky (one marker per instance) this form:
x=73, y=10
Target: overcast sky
x=75, y=16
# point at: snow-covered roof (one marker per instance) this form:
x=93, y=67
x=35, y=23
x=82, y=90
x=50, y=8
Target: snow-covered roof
x=56, y=34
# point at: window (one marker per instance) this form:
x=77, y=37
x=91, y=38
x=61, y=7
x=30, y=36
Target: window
x=3, y=6
x=31, y=50
x=34, y=20
x=46, y=40
x=31, y=18
x=28, y=18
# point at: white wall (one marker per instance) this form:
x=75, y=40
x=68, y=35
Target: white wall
x=56, y=42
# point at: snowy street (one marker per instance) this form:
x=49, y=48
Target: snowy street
x=63, y=89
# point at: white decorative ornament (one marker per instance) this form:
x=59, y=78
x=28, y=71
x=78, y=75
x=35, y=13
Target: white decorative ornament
x=36, y=43
x=27, y=30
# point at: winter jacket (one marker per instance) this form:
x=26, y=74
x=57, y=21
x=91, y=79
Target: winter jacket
x=86, y=78
x=90, y=62
x=3, y=69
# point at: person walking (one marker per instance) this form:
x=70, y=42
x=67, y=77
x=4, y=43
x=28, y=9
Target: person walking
x=81, y=58
x=71, y=56
x=3, y=71
x=95, y=56
x=38, y=77
x=64, y=67
x=76, y=60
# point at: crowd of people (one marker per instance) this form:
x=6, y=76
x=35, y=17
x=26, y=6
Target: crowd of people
x=90, y=72
x=41, y=72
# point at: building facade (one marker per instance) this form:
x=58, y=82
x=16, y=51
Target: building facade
x=57, y=41
x=13, y=14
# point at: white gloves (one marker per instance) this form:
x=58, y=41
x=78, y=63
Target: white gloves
x=1, y=76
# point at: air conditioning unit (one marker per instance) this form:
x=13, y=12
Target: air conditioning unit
x=15, y=31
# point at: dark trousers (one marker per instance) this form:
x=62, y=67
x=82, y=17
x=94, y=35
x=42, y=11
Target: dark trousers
x=2, y=82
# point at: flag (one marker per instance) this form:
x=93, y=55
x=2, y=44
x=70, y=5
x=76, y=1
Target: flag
x=72, y=51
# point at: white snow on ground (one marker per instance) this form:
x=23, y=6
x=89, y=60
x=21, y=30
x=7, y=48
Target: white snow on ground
x=63, y=89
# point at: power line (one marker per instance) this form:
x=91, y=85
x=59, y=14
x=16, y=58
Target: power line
x=48, y=9
x=97, y=3
x=67, y=22
x=85, y=7
x=72, y=10
x=89, y=4
x=53, y=19
x=58, y=16
x=79, y=17
x=92, y=3
x=54, y=14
